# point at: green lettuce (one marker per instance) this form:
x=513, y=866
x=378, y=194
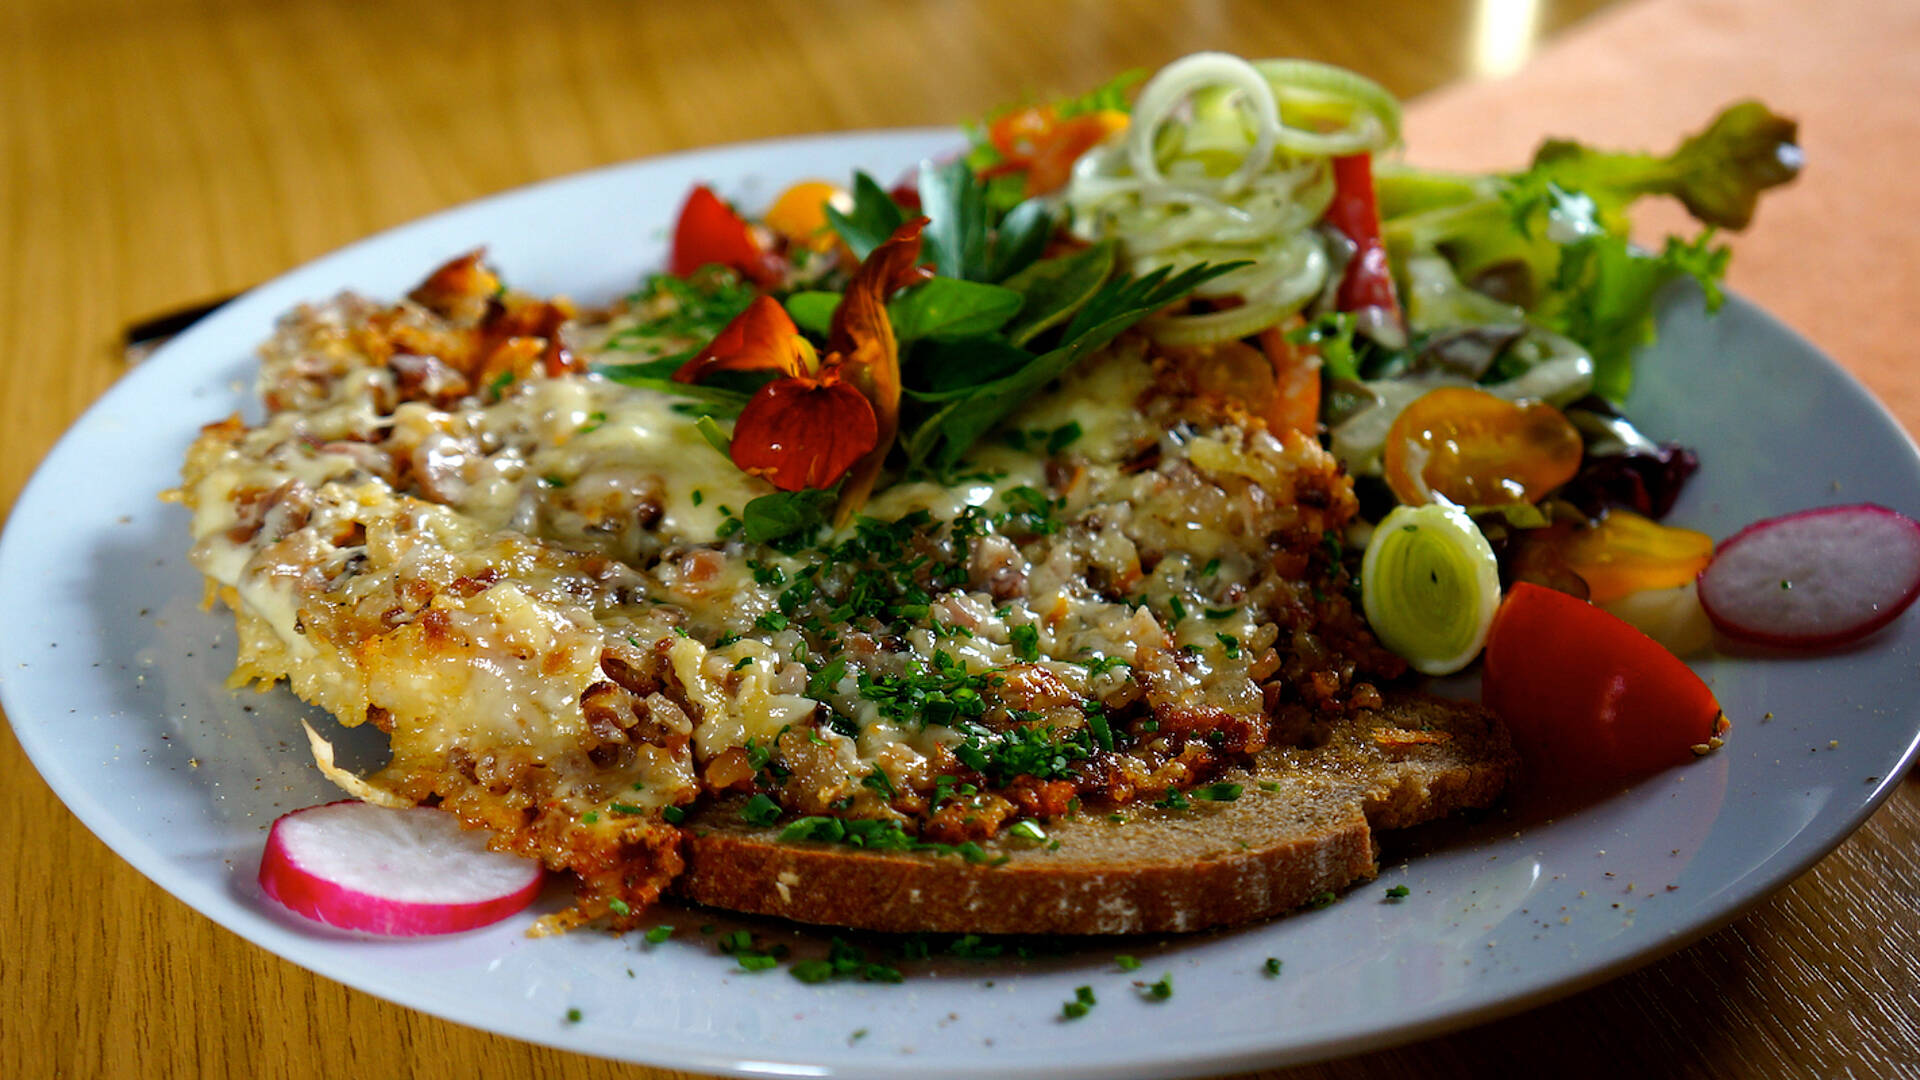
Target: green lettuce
x=1560, y=228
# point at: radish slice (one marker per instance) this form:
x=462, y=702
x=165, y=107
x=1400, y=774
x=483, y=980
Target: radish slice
x=1818, y=577
x=392, y=871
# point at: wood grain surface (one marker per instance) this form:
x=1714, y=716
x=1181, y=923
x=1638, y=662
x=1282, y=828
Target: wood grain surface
x=158, y=153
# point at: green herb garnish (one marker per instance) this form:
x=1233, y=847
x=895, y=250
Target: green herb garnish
x=760, y=810
x=1026, y=641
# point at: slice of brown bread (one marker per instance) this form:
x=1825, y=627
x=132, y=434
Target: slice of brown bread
x=1303, y=826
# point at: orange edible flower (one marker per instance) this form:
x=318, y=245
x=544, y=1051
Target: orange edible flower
x=761, y=338
x=803, y=432
x=830, y=416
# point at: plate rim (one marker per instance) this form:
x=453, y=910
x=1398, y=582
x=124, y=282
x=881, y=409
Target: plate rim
x=260, y=931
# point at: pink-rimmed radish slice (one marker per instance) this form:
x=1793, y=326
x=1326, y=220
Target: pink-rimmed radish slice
x=1818, y=577
x=400, y=871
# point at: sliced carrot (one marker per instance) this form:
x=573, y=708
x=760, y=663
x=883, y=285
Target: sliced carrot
x=1296, y=378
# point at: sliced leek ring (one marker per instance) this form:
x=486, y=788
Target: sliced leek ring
x=1429, y=584
x=1368, y=116
x=1230, y=160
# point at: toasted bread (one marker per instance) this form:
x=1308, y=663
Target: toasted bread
x=1304, y=825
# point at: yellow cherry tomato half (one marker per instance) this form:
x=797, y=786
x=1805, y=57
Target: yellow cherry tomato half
x=1473, y=448
x=800, y=213
x=1626, y=553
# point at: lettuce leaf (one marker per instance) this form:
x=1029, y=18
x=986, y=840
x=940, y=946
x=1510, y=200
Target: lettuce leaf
x=1562, y=226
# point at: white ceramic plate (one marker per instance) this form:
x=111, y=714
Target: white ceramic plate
x=113, y=678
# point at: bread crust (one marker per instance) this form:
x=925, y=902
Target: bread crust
x=1303, y=826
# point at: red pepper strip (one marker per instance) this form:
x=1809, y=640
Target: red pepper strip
x=709, y=232
x=1590, y=700
x=1356, y=212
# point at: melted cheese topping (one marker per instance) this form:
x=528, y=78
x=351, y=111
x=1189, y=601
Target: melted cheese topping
x=535, y=588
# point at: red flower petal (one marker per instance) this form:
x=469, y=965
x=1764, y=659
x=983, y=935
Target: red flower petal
x=804, y=433
x=761, y=338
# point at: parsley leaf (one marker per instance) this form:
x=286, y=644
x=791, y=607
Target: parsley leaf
x=963, y=237
x=952, y=308
x=1055, y=289
x=873, y=218
x=782, y=514
x=812, y=311
x=949, y=432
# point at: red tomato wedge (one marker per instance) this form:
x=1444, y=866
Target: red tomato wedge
x=1591, y=700
x=709, y=233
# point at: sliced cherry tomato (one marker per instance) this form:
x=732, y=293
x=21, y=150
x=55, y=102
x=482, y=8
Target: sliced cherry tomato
x=1589, y=699
x=709, y=232
x=800, y=213
x=1625, y=553
x=1018, y=133
x=1477, y=449
x=1052, y=167
x=1036, y=140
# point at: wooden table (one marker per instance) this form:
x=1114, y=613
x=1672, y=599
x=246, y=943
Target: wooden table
x=162, y=152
